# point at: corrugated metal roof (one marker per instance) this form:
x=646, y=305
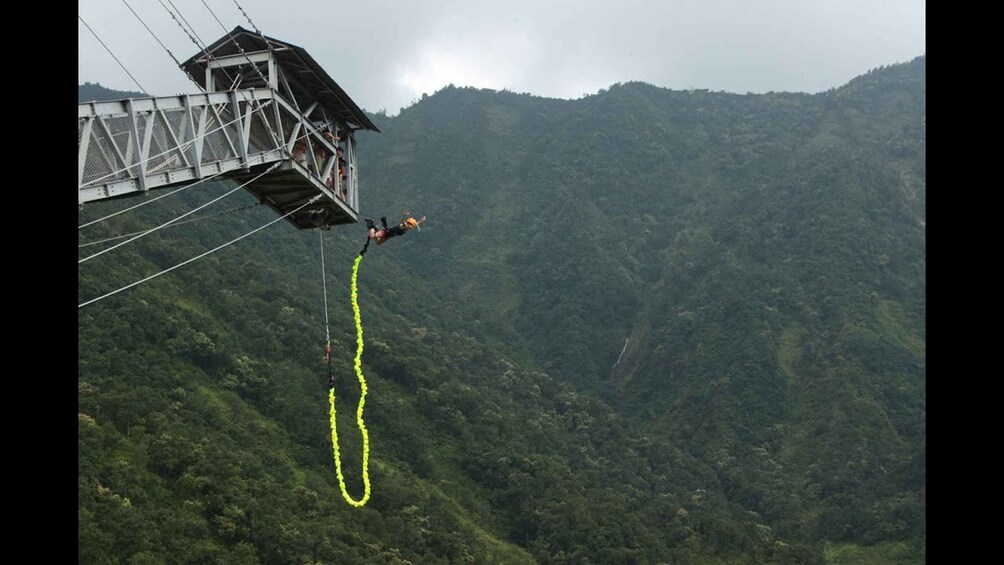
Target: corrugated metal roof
x=307, y=79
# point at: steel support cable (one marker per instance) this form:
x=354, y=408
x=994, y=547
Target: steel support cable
x=174, y=225
x=144, y=203
x=268, y=43
x=234, y=41
x=204, y=46
x=173, y=220
x=110, y=53
x=200, y=256
x=195, y=39
x=275, y=138
x=158, y=39
x=248, y=18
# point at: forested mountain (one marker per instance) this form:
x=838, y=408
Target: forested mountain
x=646, y=326
x=89, y=92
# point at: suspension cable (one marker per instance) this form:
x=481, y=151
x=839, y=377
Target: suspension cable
x=275, y=138
x=203, y=46
x=173, y=220
x=195, y=39
x=159, y=41
x=197, y=257
x=145, y=202
x=237, y=45
x=248, y=18
x=268, y=45
x=141, y=89
x=176, y=224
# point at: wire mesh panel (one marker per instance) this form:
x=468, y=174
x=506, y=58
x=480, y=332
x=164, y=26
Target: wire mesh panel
x=216, y=145
x=289, y=122
x=262, y=131
x=160, y=153
x=169, y=148
x=110, y=151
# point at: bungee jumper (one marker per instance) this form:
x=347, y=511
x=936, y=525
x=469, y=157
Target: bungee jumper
x=382, y=235
x=407, y=223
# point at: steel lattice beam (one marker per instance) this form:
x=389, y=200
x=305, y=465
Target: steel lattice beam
x=135, y=145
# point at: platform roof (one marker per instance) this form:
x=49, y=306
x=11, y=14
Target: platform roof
x=308, y=81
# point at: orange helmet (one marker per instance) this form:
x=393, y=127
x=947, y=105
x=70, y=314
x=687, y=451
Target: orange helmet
x=411, y=223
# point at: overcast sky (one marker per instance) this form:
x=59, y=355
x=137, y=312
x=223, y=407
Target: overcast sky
x=386, y=53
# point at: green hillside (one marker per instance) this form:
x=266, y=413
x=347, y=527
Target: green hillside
x=646, y=326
